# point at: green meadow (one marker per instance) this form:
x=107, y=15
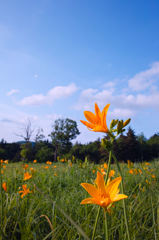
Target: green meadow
x=52, y=210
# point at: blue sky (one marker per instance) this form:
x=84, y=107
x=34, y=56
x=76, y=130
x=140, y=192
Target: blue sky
x=57, y=58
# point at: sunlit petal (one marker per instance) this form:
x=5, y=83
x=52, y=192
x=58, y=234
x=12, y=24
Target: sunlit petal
x=89, y=201
x=91, y=189
x=90, y=117
x=89, y=125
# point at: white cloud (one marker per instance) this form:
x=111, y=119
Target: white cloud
x=121, y=113
x=36, y=75
x=145, y=79
x=13, y=91
x=125, y=105
x=52, y=95
x=110, y=84
x=12, y=122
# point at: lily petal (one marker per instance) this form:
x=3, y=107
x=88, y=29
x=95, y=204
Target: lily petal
x=91, y=189
x=100, y=182
x=89, y=125
x=112, y=188
x=91, y=117
x=119, y=197
x=89, y=201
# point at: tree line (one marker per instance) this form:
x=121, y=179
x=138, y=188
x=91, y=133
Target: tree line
x=127, y=146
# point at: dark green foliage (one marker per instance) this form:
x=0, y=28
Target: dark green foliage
x=9, y=151
x=26, y=152
x=90, y=150
x=64, y=130
x=44, y=152
x=126, y=147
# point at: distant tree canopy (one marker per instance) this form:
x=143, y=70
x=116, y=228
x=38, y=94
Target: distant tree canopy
x=127, y=146
x=63, y=131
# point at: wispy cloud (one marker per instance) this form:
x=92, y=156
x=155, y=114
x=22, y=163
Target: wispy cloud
x=145, y=79
x=13, y=91
x=53, y=94
x=123, y=104
x=12, y=122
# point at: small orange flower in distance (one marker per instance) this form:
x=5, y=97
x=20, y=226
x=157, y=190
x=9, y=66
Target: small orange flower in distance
x=153, y=176
x=111, y=173
x=27, y=176
x=102, y=171
x=35, y=161
x=4, y=186
x=103, y=194
x=131, y=171
x=147, y=163
x=54, y=166
x=49, y=162
x=25, y=190
x=25, y=166
x=140, y=171
x=6, y=161
x=105, y=165
x=93, y=171
x=46, y=167
x=96, y=122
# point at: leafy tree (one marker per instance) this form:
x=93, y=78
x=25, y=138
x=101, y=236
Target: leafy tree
x=64, y=130
x=132, y=146
x=26, y=152
x=44, y=154
x=144, y=148
x=153, y=143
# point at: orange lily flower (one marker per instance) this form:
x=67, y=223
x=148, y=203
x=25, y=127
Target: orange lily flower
x=103, y=194
x=27, y=176
x=4, y=186
x=111, y=173
x=25, y=190
x=96, y=122
x=25, y=166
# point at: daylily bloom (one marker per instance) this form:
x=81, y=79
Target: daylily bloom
x=27, y=176
x=103, y=194
x=111, y=173
x=105, y=165
x=25, y=190
x=96, y=122
x=4, y=186
x=35, y=161
x=25, y=166
x=131, y=171
x=49, y=162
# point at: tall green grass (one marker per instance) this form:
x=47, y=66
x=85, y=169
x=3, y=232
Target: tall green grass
x=53, y=210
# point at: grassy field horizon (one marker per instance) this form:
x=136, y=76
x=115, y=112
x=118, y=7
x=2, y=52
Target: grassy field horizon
x=51, y=209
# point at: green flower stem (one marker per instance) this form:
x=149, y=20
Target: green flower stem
x=109, y=163
x=106, y=226
x=122, y=191
x=95, y=224
x=107, y=175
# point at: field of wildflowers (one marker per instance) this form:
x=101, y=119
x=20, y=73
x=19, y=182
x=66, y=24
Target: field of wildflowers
x=46, y=203
x=73, y=200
